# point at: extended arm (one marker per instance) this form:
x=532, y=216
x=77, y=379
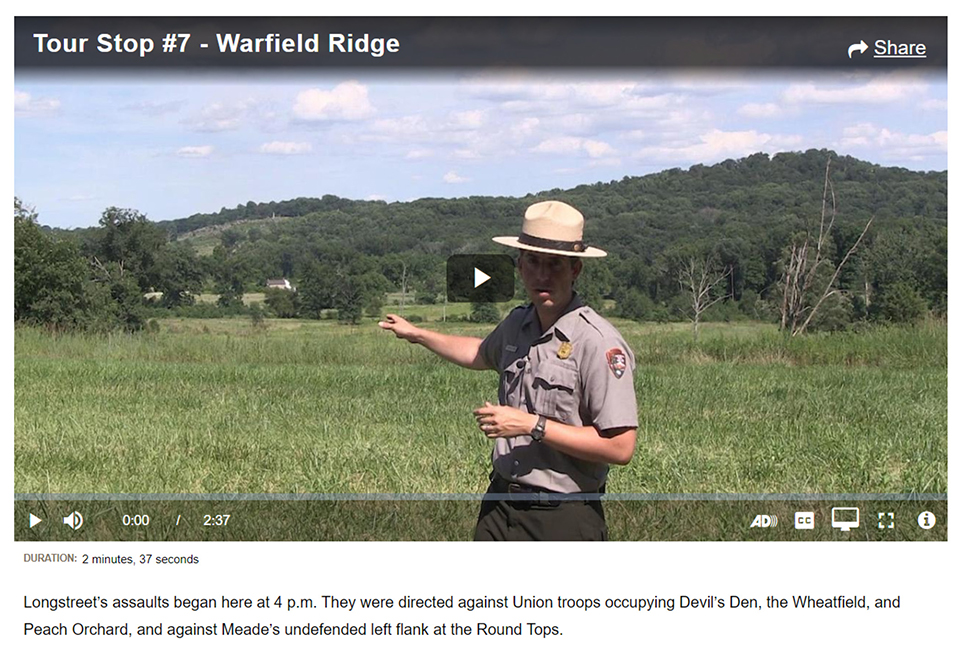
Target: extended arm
x=463, y=351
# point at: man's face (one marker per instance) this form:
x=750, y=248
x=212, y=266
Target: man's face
x=548, y=279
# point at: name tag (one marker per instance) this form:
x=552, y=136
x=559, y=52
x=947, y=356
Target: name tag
x=511, y=348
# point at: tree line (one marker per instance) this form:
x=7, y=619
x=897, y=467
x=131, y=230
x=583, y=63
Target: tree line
x=734, y=224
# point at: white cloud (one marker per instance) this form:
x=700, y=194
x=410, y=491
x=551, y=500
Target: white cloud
x=461, y=135
x=894, y=144
x=25, y=104
x=150, y=108
x=684, y=121
x=286, y=148
x=453, y=178
x=467, y=119
x=515, y=88
x=568, y=145
x=398, y=129
x=934, y=104
x=717, y=144
x=606, y=161
x=573, y=123
x=559, y=145
x=348, y=101
x=221, y=116
x=882, y=90
x=195, y=151
x=597, y=148
x=465, y=153
x=418, y=153
x=760, y=110
x=524, y=129
x=575, y=103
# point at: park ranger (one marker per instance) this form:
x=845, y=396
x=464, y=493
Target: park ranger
x=566, y=404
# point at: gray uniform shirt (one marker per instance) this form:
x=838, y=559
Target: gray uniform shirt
x=588, y=382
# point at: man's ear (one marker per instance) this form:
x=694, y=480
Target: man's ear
x=577, y=269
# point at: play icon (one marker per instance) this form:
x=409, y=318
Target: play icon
x=34, y=520
x=479, y=278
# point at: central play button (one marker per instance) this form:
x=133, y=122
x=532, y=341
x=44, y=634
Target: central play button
x=480, y=278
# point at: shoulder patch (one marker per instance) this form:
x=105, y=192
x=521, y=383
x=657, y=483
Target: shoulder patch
x=617, y=361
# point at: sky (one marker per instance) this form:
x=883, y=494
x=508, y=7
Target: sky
x=186, y=143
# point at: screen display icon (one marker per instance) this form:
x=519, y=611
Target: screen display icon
x=845, y=518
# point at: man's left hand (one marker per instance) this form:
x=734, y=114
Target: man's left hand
x=499, y=421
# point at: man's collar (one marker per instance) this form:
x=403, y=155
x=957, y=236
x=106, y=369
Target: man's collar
x=576, y=302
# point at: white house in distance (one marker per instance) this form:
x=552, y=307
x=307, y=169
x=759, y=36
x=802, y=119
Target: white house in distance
x=280, y=283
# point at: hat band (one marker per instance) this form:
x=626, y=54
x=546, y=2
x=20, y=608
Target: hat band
x=552, y=244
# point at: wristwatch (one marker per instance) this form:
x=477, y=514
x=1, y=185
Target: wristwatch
x=537, y=432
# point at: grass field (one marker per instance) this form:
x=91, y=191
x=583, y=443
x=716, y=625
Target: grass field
x=219, y=406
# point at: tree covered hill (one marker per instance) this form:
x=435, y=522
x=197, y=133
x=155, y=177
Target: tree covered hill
x=757, y=191
x=740, y=216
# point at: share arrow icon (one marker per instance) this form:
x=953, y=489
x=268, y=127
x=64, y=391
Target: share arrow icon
x=34, y=520
x=856, y=47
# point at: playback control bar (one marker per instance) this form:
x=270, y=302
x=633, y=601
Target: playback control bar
x=452, y=518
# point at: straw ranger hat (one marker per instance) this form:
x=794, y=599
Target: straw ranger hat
x=552, y=227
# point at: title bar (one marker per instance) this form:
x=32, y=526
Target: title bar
x=100, y=43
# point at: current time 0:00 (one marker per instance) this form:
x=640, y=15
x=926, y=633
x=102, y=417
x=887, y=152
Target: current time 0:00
x=136, y=519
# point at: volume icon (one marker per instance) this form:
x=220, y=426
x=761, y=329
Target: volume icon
x=74, y=520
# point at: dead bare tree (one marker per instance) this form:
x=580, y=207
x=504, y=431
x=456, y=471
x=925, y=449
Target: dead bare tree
x=698, y=277
x=403, y=288
x=801, y=299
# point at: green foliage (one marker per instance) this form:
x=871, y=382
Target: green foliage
x=316, y=288
x=256, y=316
x=348, y=299
x=283, y=303
x=177, y=274
x=898, y=303
x=230, y=238
x=51, y=285
x=636, y=305
x=346, y=282
x=228, y=276
x=596, y=282
x=742, y=211
x=127, y=298
x=426, y=297
x=133, y=242
x=484, y=312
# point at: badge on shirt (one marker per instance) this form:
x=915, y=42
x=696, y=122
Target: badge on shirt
x=617, y=361
x=565, y=349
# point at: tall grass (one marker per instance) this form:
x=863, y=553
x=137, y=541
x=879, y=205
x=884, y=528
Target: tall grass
x=221, y=406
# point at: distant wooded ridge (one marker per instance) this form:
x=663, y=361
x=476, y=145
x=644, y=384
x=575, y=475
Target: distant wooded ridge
x=740, y=217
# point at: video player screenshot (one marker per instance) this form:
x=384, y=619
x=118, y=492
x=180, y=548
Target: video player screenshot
x=307, y=308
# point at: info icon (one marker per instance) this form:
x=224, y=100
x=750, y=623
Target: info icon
x=480, y=278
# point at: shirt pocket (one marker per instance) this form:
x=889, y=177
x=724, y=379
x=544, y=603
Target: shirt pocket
x=510, y=382
x=556, y=391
